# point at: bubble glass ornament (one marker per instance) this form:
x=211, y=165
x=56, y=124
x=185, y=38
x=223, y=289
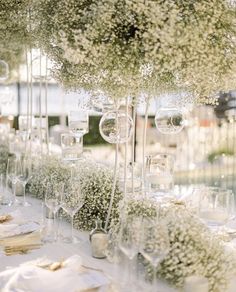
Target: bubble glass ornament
x=169, y=120
x=116, y=127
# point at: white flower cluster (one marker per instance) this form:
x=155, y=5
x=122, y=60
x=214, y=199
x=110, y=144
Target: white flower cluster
x=142, y=46
x=96, y=185
x=49, y=170
x=194, y=250
x=14, y=34
x=4, y=153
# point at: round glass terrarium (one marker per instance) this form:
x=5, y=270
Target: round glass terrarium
x=116, y=127
x=169, y=120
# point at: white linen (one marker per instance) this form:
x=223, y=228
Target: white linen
x=59, y=250
x=30, y=277
x=8, y=230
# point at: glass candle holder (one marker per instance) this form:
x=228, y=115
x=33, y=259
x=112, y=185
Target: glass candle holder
x=72, y=147
x=78, y=122
x=159, y=173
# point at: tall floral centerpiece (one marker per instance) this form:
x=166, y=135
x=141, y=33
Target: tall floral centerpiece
x=105, y=44
x=14, y=31
x=126, y=48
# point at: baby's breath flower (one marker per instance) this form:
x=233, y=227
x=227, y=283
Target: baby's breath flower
x=96, y=185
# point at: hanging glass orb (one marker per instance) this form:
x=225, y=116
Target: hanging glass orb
x=169, y=120
x=113, y=127
x=4, y=70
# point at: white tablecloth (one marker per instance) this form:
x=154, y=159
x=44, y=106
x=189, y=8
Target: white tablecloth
x=61, y=251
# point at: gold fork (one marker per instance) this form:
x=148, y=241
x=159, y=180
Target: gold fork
x=20, y=249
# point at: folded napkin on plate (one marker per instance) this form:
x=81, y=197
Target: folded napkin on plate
x=13, y=230
x=20, y=238
x=35, y=277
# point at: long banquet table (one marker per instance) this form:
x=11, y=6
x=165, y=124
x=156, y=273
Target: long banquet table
x=58, y=251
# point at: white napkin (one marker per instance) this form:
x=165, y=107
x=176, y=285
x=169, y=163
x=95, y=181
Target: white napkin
x=11, y=229
x=31, y=278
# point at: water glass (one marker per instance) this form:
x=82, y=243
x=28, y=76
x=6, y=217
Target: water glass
x=78, y=122
x=159, y=173
x=72, y=147
x=53, y=200
x=24, y=175
x=13, y=171
x=216, y=206
x=128, y=243
x=154, y=245
x=72, y=201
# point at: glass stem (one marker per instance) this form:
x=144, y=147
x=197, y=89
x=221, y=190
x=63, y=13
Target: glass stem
x=24, y=192
x=130, y=282
x=14, y=191
x=72, y=228
x=55, y=225
x=154, y=279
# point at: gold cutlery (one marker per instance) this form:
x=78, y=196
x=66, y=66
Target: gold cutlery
x=10, y=250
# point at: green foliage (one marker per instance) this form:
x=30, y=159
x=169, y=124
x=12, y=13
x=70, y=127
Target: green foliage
x=93, y=137
x=218, y=153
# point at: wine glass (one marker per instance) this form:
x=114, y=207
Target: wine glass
x=72, y=202
x=13, y=170
x=53, y=200
x=216, y=207
x=25, y=175
x=129, y=239
x=154, y=245
x=17, y=145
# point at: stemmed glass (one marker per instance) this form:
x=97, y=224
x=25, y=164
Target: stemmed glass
x=154, y=245
x=129, y=239
x=72, y=202
x=13, y=170
x=53, y=200
x=24, y=175
x=216, y=207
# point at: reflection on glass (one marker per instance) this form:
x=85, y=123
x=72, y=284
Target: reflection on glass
x=116, y=127
x=78, y=122
x=159, y=172
x=72, y=147
x=169, y=120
